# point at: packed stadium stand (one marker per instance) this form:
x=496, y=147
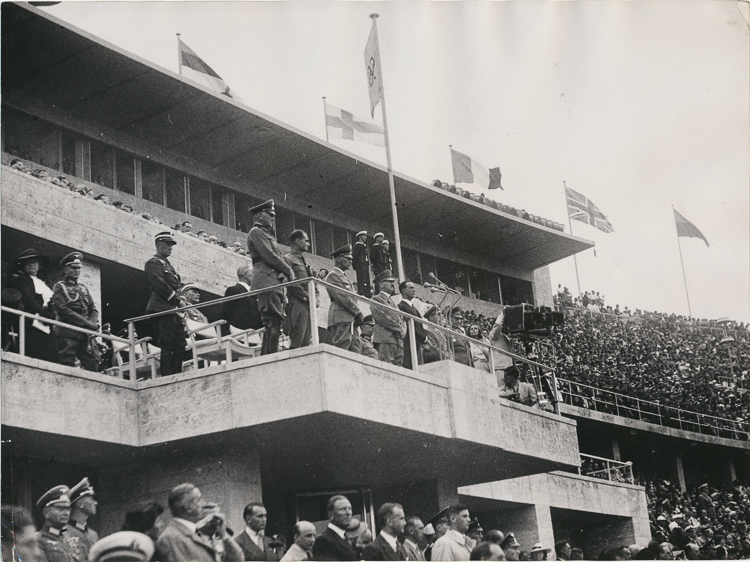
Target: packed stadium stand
x=638, y=417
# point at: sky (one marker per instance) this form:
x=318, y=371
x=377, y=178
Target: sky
x=637, y=105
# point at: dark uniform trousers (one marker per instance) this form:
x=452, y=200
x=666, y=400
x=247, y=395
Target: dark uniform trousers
x=73, y=304
x=298, y=307
x=361, y=264
x=169, y=329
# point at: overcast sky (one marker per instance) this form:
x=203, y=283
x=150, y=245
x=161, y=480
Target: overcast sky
x=637, y=105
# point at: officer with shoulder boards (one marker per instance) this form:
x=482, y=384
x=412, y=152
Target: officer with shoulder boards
x=55, y=506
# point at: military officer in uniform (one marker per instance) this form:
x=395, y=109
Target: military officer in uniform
x=55, y=505
x=83, y=506
x=298, y=307
x=362, y=264
x=269, y=269
x=73, y=305
x=379, y=256
x=344, y=310
x=367, y=329
x=165, y=284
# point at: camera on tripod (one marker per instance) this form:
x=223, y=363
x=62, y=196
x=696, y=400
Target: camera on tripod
x=525, y=319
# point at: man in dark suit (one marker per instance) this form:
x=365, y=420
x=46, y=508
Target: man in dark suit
x=181, y=540
x=241, y=313
x=408, y=292
x=165, y=284
x=253, y=541
x=386, y=547
x=332, y=544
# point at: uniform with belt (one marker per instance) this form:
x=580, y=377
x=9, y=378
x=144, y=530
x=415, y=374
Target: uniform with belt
x=361, y=265
x=51, y=539
x=343, y=310
x=298, y=307
x=269, y=270
x=389, y=325
x=165, y=284
x=73, y=304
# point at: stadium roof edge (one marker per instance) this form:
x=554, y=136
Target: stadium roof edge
x=194, y=122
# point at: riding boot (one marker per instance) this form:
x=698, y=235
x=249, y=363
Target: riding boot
x=273, y=338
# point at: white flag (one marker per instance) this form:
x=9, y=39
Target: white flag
x=342, y=124
x=372, y=67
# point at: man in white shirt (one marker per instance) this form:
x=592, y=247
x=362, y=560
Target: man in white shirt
x=304, y=538
x=386, y=547
x=255, y=545
x=332, y=544
x=455, y=545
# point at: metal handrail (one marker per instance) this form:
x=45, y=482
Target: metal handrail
x=612, y=467
x=685, y=419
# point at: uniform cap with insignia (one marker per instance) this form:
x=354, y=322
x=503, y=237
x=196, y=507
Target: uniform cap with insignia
x=83, y=488
x=57, y=496
x=509, y=541
x=73, y=258
x=123, y=545
x=474, y=525
x=343, y=252
x=385, y=275
x=361, y=233
x=30, y=254
x=165, y=236
x=435, y=519
x=368, y=320
x=267, y=206
x=189, y=287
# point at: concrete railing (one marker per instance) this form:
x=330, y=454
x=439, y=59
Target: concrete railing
x=606, y=469
x=592, y=398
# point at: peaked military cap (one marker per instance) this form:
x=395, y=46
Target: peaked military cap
x=123, y=545
x=442, y=514
x=83, y=488
x=30, y=254
x=509, y=541
x=474, y=525
x=268, y=207
x=361, y=233
x=165, y=236
x=343, y=252
x=369, y=320
x=56, y=496
x=385, y=275
x=73, y=258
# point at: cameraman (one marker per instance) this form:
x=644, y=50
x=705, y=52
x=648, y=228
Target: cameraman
x=516, y=391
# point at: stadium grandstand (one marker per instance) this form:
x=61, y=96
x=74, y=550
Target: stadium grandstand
x=628, y=431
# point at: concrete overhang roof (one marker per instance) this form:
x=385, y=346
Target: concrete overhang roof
x=85, y=77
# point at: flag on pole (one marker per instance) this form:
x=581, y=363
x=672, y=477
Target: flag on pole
x=372, y=67
x=468, y=170
x=193, y=67
x=344, y=125
x=581, y=208
x=687, y=228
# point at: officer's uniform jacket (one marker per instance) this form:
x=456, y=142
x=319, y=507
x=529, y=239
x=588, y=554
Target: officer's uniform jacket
x=73, y=304
x=379, y=258
x=80, y=538
x=301, y=270
x=269, y=266
x=343, y=307
x=359, y=255
x=52, y=542
x=164, y=282
x=389, y=326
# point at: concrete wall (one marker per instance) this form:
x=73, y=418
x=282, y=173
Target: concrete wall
x=542, y=288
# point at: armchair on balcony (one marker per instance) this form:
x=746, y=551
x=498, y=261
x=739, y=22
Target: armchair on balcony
x=146, y=359
x=207, y=344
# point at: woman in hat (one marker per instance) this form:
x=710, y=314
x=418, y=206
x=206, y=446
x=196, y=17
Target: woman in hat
x=35, y=297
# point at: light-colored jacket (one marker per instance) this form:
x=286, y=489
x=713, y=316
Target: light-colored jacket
x=452, y=546
x=389, y=325
x=343, y=306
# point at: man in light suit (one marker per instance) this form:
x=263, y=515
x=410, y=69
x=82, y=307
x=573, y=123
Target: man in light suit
x=332, y=544
x=386, y=546
x=181, y=541
x=454, y=544
x=343, y=311
x=241, y=313
x=389, y=326
x=254, y=543
x=522, y=392
x=413, y=535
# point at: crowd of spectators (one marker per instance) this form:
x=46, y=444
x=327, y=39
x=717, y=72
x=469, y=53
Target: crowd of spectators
x=482, y=199
x=702, y=523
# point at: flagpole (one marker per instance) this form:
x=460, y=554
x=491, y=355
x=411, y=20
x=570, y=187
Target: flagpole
x=179, y=55
x=570, y=225
x=394, y=208
x=682, y=263
x=325, y=117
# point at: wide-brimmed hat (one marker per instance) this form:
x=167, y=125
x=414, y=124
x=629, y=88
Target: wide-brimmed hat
x=30, y=254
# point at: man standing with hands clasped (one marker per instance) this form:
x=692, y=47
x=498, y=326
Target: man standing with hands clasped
x=269, y=269
x=344, y=310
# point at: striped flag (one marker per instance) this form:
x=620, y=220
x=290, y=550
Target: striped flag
x=581, y=208
x=193, y=67
x=468, y=170
x=686, y=228
x=342, y=124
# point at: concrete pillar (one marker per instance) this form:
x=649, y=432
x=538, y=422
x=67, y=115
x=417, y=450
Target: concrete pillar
x=679, y=473
x=542, y=287
x=616, y=449
x=531, y=524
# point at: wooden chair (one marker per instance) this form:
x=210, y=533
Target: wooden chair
x=207, y=344
x=146, y=359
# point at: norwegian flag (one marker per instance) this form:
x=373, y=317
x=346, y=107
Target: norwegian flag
x=581, y=208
